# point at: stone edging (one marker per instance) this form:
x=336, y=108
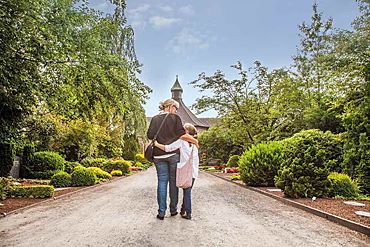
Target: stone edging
x=18, y=210
x=339, y=220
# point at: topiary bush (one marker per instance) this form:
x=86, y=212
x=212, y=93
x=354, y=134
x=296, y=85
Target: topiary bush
x=26, y=159
x=308, y=157
x=45, y=164
x=122, y=165
x=40, y=191
x=100, y=173
x=81, y=176
x=7, y=155
x=233, y=161
x=116, y=173
x=61, y=179
x=342, y=185
x=259, y=164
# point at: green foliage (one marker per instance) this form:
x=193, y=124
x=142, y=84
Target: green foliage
x=139, y=158
x=40, y=191
x=100, y=173
x=308, y=158
x=260, y=163
x=342, y=185
x=69, y=166
x=45, y=164
x=61, y=179
x=81, y=176
x=217, y=143
x=26, y=159
x=116, y=173
x=95, y=162
x=7, y=155
x=130, y=147
x=3, y=188
x=122, y=165
x=235, y=177
x=233, y=161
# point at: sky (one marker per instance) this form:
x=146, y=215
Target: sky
x=186, y=38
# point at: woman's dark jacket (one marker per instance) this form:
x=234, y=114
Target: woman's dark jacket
x=171, y=130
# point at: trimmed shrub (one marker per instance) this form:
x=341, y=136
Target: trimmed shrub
x=116, y=173
x=140, y=158
x=69, y=166
x=40, y=191
x=26, y=159
x=61, y=179
x=7, y=155
x=260, y=163
x=308, y=157
x=122, y=165
x=93, y=162
x=342, y=185
x=100, y=173
x=3, y=188
x=233, y=161
x=45, y=164
x=81, y=176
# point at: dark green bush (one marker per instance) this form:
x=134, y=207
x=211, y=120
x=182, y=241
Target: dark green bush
x=3, y=187
x=93, y=162
x=69, y=166
x=260, y=163
x=83, y=177
x=308, y=158
x=26, y=159
x=7, y=155
x=100, y=173
x=342, y=185
x=40, y=191
x=122, y=165
x=233, y=161
x=45, y=164
x=61, y=179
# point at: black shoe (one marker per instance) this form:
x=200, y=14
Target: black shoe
x=182, y=213
x=174, y=214
x=186, y=216
x=160, y=217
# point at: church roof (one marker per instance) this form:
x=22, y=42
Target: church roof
x=185, y=114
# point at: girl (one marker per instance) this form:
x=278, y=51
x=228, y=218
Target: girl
x=185, y=150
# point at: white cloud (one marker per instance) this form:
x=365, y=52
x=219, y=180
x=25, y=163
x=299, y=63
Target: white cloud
x=188, y=40
x=160, y=22
x=186, y=10
x=166, y=8
x=137, y=16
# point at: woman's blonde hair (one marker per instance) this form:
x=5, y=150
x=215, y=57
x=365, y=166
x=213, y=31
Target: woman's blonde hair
x=190, y=129
x=168, y=103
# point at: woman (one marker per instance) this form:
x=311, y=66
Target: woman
x=166, y=162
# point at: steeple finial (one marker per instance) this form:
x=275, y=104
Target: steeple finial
x=176, y=89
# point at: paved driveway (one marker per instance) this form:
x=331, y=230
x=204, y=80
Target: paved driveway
x=122, y=213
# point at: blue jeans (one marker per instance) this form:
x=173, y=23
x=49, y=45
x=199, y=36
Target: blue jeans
x=186, y=200
x=166, y=173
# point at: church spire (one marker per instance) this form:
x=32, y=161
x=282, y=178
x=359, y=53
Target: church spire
x=176, y=89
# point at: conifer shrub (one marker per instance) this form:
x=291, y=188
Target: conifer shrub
x=7, y=155
x=122, y=165
x=308, y=158
x=116, y=173
x=342, y=185
x=259, y=164
x=40, y=191
x=45, y=164
x=233, y=161
x=61, y=179
x=81, y=176
x=100, y=173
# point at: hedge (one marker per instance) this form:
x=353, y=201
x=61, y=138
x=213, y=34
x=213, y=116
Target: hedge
x=93, y=162
x=7, y=155
x=81, y=176
x=45, y=164
x=342, y=185
x=100, y=173
x=122, y=165
x=61, y=179
x=40, y=191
